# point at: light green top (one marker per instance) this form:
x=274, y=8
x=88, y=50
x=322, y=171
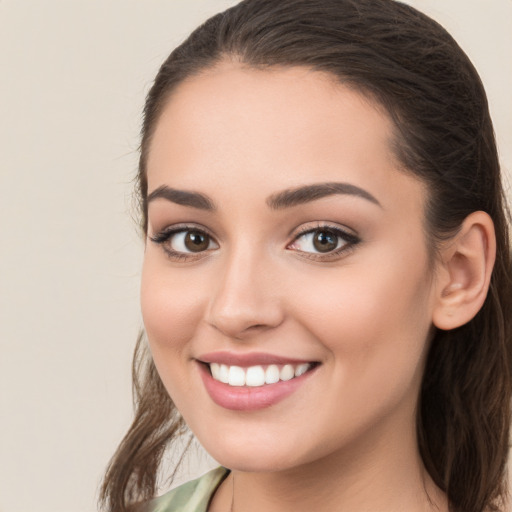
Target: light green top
x=194, y=496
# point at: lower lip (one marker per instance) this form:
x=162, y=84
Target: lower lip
x=247, y=398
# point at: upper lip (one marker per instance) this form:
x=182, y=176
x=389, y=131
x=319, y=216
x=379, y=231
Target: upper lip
x=248, y=359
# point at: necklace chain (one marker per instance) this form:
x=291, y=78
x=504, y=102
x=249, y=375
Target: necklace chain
x=232, y=492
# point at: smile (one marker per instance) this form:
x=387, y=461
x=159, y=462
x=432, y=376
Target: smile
x=256, y=376
x=250, y=382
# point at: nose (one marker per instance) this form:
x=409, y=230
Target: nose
x=246, y=297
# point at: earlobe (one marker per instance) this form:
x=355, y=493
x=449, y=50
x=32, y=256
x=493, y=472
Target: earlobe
x=465, y=273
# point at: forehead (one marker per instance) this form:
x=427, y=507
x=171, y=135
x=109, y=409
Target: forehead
x=270, y=129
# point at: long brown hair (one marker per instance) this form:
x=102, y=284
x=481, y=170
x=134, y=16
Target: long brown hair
x=411, y=66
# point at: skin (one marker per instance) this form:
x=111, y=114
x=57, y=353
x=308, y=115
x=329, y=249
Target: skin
x=345, y=440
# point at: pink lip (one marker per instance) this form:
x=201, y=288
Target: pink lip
x=249, y=359
x=246, y=398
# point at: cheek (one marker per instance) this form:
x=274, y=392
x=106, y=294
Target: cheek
x=360, y=303
x=172, y=308
x=376, y=337
x=374, y=319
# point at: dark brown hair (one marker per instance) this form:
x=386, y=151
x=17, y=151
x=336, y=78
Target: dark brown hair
x=412, y=67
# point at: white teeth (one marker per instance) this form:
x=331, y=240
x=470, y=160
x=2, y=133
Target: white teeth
x=301, y=369
x=215, y=368
x=256, y=376
x=236, y=376
x=223, y=373
x=287, y=372
x=272, y=374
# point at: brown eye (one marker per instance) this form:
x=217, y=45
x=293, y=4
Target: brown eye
x=181, y=243
x=325, y=241
x=195, y=241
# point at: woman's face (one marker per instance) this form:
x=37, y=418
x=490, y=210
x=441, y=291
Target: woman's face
x=283, y=239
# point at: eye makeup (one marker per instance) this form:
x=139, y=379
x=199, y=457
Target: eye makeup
x=320, y=242
x=329, y=242
x=185, y=242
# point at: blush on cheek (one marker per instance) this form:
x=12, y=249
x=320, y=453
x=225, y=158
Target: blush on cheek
x=169, y=310
x=168, y=336
x=167, y=327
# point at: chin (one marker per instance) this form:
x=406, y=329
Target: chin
x=256, y=457
x=255, y=463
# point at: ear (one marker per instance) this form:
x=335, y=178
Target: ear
x=464, y=273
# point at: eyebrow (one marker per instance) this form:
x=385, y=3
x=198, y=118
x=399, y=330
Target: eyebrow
x=182, y=197
x=305, y=194
x=285, y=199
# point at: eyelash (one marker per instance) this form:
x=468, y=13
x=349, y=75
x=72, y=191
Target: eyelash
x=166, y=235
x=351, y=240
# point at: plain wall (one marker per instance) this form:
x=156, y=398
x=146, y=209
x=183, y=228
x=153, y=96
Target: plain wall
x=74, y=74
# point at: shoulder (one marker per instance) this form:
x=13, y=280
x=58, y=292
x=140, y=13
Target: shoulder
x=194, y=496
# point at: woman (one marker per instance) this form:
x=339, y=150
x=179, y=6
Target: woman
x=326, y=289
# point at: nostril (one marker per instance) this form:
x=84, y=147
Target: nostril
x=256, y=326
x=239, y=324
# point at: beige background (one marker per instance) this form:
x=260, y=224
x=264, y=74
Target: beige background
x=73, y=77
